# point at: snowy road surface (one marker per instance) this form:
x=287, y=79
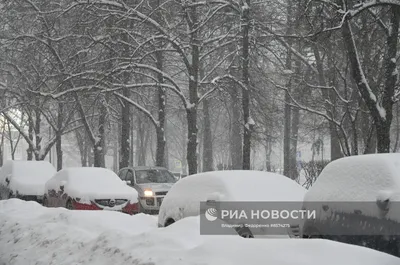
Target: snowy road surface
x=32, y=234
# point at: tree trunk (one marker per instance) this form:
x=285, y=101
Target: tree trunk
x=30, y=135
x=38, y=136
x=287, y=110
x=293, y=146
x=131, y=156
x=125, y=131
x=286, y=136
x=268, y=151
x=160, y=129
x=59, y=151
x=2, y=144
x=246, y=81
x=191, y=152
x=139, y=140
x=235, y=135
x=191, y=111
x=208, y=163
x=99, y=145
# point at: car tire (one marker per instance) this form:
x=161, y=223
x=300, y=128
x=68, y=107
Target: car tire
x=69, y=205
x=169, y=222
x=244, y=232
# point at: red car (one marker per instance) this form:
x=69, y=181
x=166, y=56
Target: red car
x=90, y=188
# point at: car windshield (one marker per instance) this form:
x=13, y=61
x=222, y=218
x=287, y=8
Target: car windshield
x=154, y=176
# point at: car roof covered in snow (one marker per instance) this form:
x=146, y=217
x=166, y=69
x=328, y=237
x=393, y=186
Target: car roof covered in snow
x=91, y=183
x=229, y=185
x=27, y=177
x=251, y=185
x=357, y=178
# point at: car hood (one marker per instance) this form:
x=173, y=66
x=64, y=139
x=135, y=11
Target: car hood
x=155, y=187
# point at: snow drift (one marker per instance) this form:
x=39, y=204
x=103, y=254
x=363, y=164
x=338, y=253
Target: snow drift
x=31, y=234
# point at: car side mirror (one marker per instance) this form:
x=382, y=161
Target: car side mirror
x=8, y=181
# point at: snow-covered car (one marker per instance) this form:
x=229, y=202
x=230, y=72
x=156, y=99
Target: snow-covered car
x=357, y=200
x=90, y=188
x=152, y=184
x=25, y=179
x=183, y=200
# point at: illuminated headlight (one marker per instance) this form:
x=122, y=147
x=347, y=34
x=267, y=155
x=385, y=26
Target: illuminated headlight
x=148, y=193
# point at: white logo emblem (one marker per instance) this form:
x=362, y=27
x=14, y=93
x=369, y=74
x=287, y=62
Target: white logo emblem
x=211, y=214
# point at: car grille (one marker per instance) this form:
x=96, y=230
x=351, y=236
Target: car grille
x=109, y=203
x=159, y=193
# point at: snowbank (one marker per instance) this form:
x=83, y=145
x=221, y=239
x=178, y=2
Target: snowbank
x=90, y=183
x=31, y=233
x=27, y=177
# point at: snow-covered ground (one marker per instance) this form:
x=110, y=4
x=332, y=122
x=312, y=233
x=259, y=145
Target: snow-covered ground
x=32, y=234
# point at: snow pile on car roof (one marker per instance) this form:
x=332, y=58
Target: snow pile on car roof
x=31, y=233
x=245, y=185
x=229, y=185
x=89, y=183
x=357, y=178
x=27, y=177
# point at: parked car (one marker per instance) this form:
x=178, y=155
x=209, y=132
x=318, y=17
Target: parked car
x=183, y=200
x=90, y=188
x=25, y=179
x=152, y=184
x=357, y=201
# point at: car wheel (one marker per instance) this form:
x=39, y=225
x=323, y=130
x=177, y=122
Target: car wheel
x=169, y=221
x=245, y=232
x=69, y=205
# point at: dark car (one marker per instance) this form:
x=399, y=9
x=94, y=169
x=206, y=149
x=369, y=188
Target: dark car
x=151, y=183
x=356, y=200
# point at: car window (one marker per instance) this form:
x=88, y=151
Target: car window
x=129, y=175
x=154, y=176
x=122, y=174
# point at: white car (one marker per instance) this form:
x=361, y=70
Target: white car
x=183, y=199
x=90, y=188
x=25, y=179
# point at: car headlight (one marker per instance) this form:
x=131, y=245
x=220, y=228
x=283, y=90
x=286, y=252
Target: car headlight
x=148, y=193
